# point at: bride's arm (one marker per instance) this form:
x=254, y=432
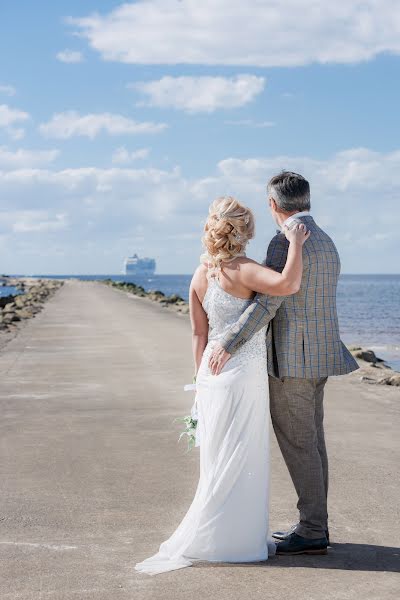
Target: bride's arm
x=267, y=281
x=198, y=316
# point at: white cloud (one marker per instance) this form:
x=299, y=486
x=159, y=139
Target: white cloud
x=201, y=94
x=69, y=124
x=90, y=218
x=8, y=117
x=22, y=158
x=122, y=156
x=272, y=33
x=69, y=56
x=251, y=123
x=15, y=133
x=38, y=222
x=8, y=90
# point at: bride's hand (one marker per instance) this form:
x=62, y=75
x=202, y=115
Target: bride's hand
x=297, y=234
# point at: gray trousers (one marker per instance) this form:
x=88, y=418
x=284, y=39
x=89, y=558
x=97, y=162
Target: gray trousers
x=297, y=415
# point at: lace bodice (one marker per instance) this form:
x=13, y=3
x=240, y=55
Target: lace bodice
x=223, y=310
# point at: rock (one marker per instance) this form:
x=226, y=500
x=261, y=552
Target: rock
x=156, y=295
x=9, y=308
x=6, y=300
x=184, y=309
x=174, y=299
x=25, y=305
x=24, y=314
x=367, y=379
x=367, y=355
x=391, y=380
x=10, y=316
x=20, y=301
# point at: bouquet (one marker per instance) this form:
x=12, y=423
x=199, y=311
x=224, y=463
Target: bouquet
x=190, y=422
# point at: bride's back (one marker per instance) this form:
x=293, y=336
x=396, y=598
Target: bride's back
x=228, y=277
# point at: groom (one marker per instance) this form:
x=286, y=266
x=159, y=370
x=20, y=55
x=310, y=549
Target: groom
x=304, y=349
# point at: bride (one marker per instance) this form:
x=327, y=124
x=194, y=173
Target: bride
x=228, y=518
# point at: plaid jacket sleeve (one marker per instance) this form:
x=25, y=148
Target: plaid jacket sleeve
x=263, y=308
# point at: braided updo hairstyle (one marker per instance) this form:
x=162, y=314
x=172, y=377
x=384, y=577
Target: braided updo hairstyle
x=229, y=227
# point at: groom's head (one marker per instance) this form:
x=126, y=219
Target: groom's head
x=288, y=193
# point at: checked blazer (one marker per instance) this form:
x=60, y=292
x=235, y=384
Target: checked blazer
x=303, y=338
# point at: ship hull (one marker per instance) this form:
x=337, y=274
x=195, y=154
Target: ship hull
x=139, y=272
x=143, y=267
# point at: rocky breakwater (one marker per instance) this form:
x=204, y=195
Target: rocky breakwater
x=373, y=369
x=173, y=302
x=18, y=308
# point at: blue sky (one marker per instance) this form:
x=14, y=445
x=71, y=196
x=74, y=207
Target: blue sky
x=119, y=124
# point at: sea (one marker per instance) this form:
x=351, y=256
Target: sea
x=368, y=306
x=9, y=290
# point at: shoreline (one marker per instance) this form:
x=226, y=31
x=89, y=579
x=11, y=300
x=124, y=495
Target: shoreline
x=15, y=310
x=373, y=370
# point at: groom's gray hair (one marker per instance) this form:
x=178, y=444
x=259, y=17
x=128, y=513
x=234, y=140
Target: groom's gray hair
x=290, y=191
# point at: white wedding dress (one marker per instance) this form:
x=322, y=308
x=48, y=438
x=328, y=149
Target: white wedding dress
x=228, y=518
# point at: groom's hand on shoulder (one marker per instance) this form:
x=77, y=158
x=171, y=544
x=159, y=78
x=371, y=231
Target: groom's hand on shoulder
x=218, y=359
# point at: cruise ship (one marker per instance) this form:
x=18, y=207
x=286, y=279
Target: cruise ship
x=139, y=266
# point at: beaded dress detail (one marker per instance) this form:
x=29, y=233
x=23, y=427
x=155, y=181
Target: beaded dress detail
x=223, y=310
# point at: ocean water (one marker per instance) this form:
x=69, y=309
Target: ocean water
x=368, y=306
x=8, y=290
x=369, y=314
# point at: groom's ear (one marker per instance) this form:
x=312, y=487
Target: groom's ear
x=272, y=204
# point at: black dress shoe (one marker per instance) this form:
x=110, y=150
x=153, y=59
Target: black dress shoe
x=295, y=544
x=283, y=535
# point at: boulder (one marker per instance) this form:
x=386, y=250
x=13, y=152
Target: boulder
x=9, y=317
x=4, y=300
x=367, y=355
x=20, y=301
x=9, y=308
x=156, y=295
x=24, y=314
x=174, y=299
x=391, y=380
x=368, y=379
x=24, y=306
x=184, y=309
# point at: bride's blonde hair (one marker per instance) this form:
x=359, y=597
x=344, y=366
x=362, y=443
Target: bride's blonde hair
x=228, y=229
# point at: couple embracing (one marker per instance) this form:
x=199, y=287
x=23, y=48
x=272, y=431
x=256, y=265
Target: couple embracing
x=265, y=339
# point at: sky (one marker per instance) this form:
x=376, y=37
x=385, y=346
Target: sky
x=121, y=122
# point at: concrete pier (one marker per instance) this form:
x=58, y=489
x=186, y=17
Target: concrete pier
x=93, y=480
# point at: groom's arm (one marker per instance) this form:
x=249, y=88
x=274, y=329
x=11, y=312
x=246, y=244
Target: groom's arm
x=263, y=308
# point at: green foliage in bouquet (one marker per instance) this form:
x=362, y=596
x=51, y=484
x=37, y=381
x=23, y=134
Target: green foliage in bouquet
x=189, y=431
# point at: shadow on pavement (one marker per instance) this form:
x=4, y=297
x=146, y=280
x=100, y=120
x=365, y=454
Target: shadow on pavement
x=346, y=557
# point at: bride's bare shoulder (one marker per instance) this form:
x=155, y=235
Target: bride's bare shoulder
x=199, y=279
x=201, y=271
x=199, y=283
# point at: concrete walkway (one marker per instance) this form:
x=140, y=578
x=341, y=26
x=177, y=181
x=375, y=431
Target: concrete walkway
x=92, y=478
